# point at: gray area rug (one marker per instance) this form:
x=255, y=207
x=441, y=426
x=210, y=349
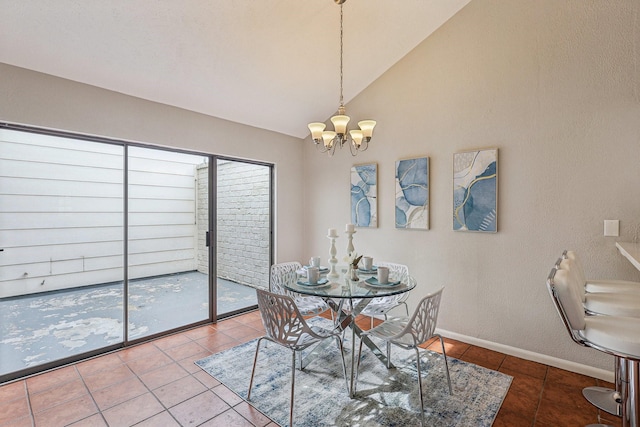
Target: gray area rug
x=384, y=397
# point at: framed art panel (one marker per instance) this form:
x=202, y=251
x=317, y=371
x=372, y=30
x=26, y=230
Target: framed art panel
x=364, y=195
x=475, y=190
x=412, y=193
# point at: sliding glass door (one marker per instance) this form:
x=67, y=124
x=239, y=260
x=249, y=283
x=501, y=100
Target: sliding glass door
x=106, y=243
x=243, y=233
x=168, y=217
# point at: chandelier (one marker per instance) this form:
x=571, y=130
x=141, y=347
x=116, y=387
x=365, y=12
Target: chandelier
x=326, y=141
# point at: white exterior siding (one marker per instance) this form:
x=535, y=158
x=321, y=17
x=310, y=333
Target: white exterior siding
x=61, y=213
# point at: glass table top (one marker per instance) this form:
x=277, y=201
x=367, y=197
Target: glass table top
x=342, y=287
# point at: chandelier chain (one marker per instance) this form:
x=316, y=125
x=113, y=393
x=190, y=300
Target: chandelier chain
x=341, y=56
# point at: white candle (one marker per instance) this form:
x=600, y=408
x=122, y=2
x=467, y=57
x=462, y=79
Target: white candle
x=350, y=228
x=333, y=232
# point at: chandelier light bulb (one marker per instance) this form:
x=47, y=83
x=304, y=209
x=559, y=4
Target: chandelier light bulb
x=327, y=137
x=367, y=127
x=316, y=130
x=340, y=124
x=356, y=137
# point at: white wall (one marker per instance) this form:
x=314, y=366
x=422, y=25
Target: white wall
x=37, y=99
x=555, y=86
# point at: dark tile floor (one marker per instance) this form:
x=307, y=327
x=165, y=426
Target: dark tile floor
x=157, y=384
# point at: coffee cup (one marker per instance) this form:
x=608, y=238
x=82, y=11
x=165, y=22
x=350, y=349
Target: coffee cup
x=314, y=261
x=383, y=275
x=367, y=262
x=313, y=274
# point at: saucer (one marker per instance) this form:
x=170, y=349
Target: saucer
x=321, y=268
x=374, y=269
x=321, y=282
x=373, y=281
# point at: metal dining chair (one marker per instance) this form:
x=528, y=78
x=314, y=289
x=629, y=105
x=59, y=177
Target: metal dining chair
x=286, y=273
x=409, y=332
x=285, y=325
x=383, y=305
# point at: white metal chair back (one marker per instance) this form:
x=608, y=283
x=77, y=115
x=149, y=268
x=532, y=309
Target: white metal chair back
x=382, y=305
x=396, y=271
x=422, y=324
x=286, y=273
x=281, y=274
x=282, y=320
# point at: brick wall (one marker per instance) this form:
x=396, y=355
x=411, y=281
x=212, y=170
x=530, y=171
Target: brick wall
x=243, y=222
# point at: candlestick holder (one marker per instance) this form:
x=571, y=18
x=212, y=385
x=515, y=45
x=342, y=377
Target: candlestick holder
x=332, y=259
x=350, y=247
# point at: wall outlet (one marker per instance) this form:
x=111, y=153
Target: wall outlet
x=611, y=227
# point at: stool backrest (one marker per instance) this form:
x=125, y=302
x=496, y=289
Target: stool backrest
x=571, y=255
x=568, y=301
x=578, y=281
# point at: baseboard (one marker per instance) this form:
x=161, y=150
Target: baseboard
x=535, y=357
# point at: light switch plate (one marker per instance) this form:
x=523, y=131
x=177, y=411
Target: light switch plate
x=611, y=227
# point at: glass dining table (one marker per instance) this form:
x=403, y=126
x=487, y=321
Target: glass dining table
x=347, y=298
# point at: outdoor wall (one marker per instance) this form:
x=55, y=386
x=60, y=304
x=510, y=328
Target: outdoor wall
x=555, y=86
x=62, y=213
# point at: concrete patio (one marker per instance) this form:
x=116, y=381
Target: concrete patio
x=40, y=328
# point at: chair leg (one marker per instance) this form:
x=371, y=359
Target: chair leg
x=446, y=364
x=293, y=382
x=253, y=370
x=388, y=355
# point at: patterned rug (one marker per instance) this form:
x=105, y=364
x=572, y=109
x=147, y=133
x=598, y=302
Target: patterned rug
x=384, y=397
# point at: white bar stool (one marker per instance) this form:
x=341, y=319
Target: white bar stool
x=618, y=336
x=611, y=298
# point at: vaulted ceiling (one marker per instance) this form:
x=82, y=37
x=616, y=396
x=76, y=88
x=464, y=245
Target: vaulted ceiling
x=271, y=64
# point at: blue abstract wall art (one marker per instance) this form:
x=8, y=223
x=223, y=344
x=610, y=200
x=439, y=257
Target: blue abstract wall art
x=364, y=194
x=412, y=193
x=475, y=190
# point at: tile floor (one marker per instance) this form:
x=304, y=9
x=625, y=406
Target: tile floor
x=157, y=384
